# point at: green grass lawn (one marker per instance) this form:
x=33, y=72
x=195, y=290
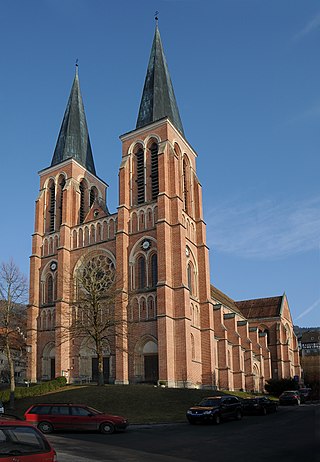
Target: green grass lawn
x=139, y=403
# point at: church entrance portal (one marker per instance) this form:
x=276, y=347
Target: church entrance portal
x=52, y=368
x=106, y=369
x=151, y=368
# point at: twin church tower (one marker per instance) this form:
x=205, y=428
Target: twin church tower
x=187, y=332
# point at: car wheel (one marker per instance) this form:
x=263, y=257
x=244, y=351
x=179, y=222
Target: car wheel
x=216, y=419
x=45, y=427
x=107, y=428
x=238, y=415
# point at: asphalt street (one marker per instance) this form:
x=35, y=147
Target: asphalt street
x=290, y=435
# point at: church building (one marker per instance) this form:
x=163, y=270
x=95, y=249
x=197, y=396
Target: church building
x=187, y=332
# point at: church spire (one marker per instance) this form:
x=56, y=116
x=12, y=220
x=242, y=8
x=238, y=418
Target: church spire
x=158, y=98
x=73, y=140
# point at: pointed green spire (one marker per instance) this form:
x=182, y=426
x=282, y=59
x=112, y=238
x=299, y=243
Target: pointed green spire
x=158, y=99
x=73, y=140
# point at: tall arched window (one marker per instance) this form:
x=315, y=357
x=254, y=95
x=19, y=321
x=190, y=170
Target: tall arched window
x=264, y=330
x=154, y=171
x=151, y=308
x=52, y=205
x=154, y=270
x=140, y=176
x=61, y=185
x=186, y=186
x=193, y=349
x=83, y=201
x=82, y=191
x=93, y=195
x=142, y=310
x=142, y=282
x=49, y=297
x=55, y=287
x=190, y=278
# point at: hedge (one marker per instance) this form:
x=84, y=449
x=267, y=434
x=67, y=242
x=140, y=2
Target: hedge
x=35, y=390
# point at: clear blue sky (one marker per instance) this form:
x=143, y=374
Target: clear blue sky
x=246, y=75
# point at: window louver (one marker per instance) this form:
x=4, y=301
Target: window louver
x=140, y=177
x=154, y=171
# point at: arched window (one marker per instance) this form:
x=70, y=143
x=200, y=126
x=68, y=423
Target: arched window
x=151, y=308
x=49, y=297
x=140, y=176
x=55, y=287
x=52, y=204
x=61, y=185
x=185, y=186
x=154, y=270
x=193, y=349
x=143, y=309
x=141, y=272
x=192, y=315
x=264, y=330
x=93, y=195
x=190, y=278
x=83, y=201
x=154, y=171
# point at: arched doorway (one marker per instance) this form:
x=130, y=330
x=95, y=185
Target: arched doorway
x=150, y=362
x=256, y=378
x=48, y=362
x=88, y=363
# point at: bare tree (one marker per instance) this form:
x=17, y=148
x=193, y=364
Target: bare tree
x=13, y=293
x=93, y=316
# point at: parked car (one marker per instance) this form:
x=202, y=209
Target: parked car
x=22, y=442
x=215, y=409
x=259, y=405
x=289, y=397
x=50, y=417
x=305, y=394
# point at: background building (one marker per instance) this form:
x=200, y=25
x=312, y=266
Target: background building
x=309, y=347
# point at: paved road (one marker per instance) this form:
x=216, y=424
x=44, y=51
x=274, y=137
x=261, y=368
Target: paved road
x=290, y=435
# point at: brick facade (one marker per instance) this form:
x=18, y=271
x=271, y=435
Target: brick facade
x=182, y=332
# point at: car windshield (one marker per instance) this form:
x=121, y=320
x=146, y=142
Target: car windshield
x=93, y=411
x=207, y=402
x=16, y=440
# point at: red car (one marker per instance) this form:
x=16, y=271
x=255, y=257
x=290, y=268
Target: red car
x=22, y=442
x=50, y=417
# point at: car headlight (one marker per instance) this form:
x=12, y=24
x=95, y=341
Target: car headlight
x=207, y=412
x=189, y=412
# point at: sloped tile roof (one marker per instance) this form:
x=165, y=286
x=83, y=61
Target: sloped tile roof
x=311, y=336
x=260, y=307
x=222, y=298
